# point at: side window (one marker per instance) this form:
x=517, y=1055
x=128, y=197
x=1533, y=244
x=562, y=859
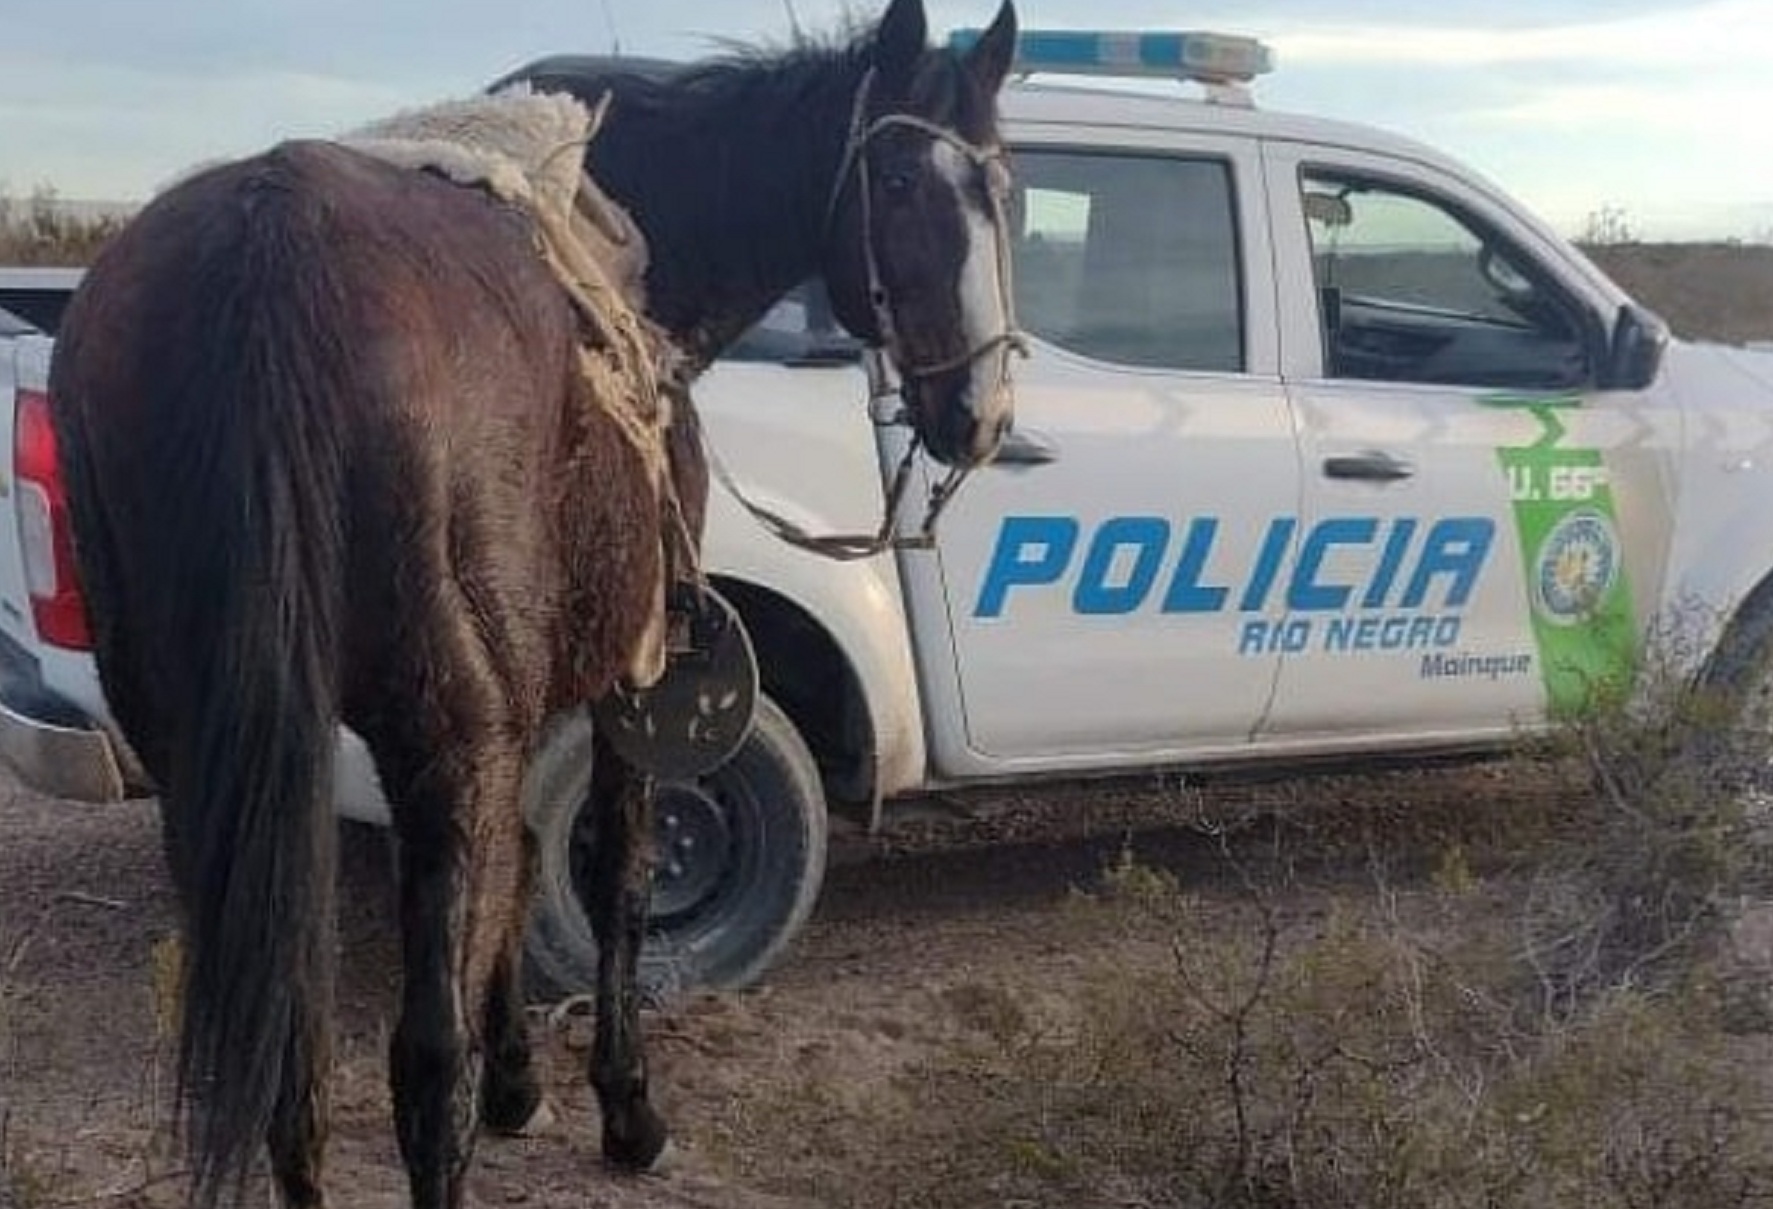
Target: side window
x=1410, y=290
x=1130, y=259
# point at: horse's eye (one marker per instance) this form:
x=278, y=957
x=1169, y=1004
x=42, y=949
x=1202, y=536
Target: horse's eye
x=895, y=183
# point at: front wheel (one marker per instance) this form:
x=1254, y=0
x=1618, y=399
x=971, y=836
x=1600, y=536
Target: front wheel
x=739, y=856
x=1727, y=743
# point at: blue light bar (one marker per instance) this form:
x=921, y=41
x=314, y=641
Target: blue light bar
x=1210, y=58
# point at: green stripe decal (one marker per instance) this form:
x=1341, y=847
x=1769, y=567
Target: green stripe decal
x=1578, y=593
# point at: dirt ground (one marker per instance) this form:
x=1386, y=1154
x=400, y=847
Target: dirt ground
x=911, y=928
x=83, y=1075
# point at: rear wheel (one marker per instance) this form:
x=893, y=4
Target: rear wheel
x=739, y=856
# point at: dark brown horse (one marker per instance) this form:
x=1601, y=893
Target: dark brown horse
x=330, y=460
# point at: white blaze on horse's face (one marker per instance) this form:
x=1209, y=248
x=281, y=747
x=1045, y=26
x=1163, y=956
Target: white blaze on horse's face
x=983, y=298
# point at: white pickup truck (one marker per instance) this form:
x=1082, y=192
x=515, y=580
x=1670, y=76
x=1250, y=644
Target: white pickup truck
x=1325, y=448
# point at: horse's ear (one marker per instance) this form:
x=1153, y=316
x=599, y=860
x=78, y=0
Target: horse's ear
x=990, y=57
x=900, y=39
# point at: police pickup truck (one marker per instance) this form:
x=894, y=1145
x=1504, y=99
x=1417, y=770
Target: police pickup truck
x=1325, y=448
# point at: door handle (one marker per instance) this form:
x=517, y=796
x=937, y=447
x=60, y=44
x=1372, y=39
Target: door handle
x=1373, y=465
x=1022, y=448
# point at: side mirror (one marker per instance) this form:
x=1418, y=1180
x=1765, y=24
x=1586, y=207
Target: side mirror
x=1634, y=351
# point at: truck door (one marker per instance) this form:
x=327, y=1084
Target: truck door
x=1480, y=519
x=1080, y=605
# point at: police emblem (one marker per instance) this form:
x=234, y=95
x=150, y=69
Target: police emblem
x=1577, y=565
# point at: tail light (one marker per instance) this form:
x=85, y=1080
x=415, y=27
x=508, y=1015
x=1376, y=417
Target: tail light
x=46, y=542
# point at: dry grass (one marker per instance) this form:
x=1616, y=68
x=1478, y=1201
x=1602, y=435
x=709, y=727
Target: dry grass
x=1709, y=291
x=1374, y=1005
x=1286, y=1046
x=34, y=232
x=20, y=1186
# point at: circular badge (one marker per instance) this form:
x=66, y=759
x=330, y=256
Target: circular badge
x=1577, y=565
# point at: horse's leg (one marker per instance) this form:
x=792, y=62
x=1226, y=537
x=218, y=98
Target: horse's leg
x=461, y=896
x=634, y=1135
x=430, y=1058
x=511, y=1100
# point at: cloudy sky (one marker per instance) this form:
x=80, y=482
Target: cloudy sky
x=1646, y=105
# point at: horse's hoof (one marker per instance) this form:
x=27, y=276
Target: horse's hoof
x=281, y=1200
x=642, y=1147
x=668, y=1160
x=518, y=1115
x=540, y=1121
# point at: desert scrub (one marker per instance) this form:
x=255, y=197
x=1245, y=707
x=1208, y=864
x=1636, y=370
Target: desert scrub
x=1644, y=895
x=1548, y=1033
x=35, y=231
x=1365, y=1055
x=1251, y=1041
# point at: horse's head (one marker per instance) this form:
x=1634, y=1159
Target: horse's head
x=916, y=257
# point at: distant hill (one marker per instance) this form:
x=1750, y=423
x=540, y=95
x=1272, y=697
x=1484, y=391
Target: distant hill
x=1706, y=291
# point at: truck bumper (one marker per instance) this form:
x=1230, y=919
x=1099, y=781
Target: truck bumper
x=51, y=747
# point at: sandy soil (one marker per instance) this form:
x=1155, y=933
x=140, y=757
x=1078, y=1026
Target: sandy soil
x=83, y=904
x=966, y=899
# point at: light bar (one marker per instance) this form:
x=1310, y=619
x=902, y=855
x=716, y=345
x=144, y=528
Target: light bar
x=1210, y=58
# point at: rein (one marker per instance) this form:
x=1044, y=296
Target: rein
x=846, y=547
x=849, y=547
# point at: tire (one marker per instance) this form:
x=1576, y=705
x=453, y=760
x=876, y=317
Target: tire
x=740, y=857
x=1738, y=664
x=1738, y=676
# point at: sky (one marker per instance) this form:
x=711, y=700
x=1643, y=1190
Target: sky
x=1644, y=107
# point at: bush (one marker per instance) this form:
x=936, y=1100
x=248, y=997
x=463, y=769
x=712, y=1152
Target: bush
x=1359, y=1059
x=1636, y=900
x=37, y=231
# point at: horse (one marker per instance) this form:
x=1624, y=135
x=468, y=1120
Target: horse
x=331, y=458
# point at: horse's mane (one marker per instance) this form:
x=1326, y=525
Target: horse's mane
x=725, y=118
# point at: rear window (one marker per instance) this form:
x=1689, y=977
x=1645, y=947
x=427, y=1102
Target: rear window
x=1129, y=258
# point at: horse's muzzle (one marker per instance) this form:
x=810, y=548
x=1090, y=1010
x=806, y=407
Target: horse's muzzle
x=960, y=423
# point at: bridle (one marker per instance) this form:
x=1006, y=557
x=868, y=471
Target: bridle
x=855, y=160
x=883, y=392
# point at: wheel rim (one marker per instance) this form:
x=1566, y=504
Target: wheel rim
x=704, y=856
x=693, y=842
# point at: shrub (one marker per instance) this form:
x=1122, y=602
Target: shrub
x=37, y=231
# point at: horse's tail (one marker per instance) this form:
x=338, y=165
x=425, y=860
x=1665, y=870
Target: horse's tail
x=208, y=488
